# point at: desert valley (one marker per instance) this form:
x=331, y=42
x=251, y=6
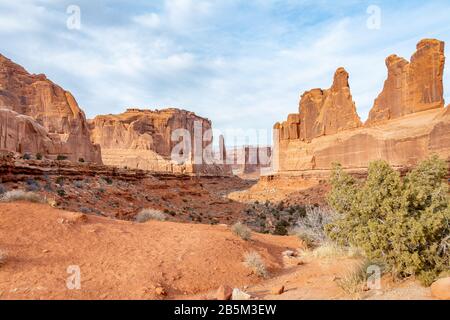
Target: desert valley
x=104, y=200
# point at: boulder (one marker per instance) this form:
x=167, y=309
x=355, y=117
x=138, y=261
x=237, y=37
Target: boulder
x=441, y=289
x=224, y=293
x=239, y=295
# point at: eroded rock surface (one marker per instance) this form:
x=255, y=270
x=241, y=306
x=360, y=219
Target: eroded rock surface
x=145, y=139
x=56, y=125
x=407, y=124
x=412, y=86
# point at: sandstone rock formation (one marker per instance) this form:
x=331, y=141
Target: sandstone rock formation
x=250, y=160
x=407, y=124
x=145, y=139
x=412, y=86
x=55, y=126
x=323, y=112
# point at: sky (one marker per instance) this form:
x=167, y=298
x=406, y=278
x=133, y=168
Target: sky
x=241, y=63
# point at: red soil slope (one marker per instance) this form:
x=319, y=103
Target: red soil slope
x=120, y=259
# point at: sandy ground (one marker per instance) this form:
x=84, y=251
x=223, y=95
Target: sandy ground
x=125, y=260
x=119, y=259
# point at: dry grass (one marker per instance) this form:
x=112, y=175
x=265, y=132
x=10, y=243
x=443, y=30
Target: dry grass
x=253, y=261
x=331, y=250
x=354, y=281
x=20, y=195
x=311, y=228
x=242, y=231
x=150, y=214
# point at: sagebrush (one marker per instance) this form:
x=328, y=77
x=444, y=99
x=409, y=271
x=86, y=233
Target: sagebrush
x=254, y=262
x=242, y=231
x=20, y=195
x=150, y=214
x=404, y=222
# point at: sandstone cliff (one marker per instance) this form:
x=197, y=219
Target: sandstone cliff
x=142, y=139
x=323, y=112
x=412, y=86
x=407, y=123
x=53, y=109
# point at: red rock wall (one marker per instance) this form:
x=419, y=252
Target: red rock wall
x=51, y=107
x=406, y=125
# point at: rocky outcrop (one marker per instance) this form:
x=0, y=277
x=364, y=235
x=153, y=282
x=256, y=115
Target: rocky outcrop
x=322, y=112
x=407, y=124
x=145, y=139
x=412, y=86
x=57, y=117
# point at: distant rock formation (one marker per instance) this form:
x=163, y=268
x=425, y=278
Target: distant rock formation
x=407, y=124
x=55, y=126
x=249, y=160
x=323, y=112
x=412, y=86
x=143, y=139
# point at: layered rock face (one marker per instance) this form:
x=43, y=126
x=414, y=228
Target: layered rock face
x=407, y=124
x=322, y=112
x=55, y=117
x=412, y=86
x=145, y=139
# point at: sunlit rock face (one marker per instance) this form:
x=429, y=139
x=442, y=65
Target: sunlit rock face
x=144, y=139
x=55, y=112
x=407, y=124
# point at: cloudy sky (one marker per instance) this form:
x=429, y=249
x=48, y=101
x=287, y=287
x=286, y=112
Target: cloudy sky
x=241, y=63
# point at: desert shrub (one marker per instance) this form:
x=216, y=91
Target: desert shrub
x=60, y=181
x=39, y=156
x=3, y=257
x=26, y=156
x=150, y=214
x=242, y=231
x=20, y=195
x=281, y=228
x=61, y=192
x=32, y=185
x=108, y=180
x=254, y=262
x=310, y=227
x=405, y=222
x=61, y=157
x=81, y=160
x=354, y=281
x=78, y=184
x=2, y=189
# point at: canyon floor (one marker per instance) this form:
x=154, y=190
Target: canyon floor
x=125, y=260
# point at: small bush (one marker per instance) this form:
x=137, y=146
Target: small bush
x=108, y=180
x=61, y=157
x=20, y=195
x=310, y=228
x=150, y=214
x=60, y=181
x=78, y=184
x=61, y=192
x=242, y=231
x=2, y=189
x=26, y=156
x=402, y=222
x=254, y=262
x=354, y=281
x=32, y=185
x=39, y=156
x=81, y=160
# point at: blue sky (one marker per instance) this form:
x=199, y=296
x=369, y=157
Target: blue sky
x=241, y=63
